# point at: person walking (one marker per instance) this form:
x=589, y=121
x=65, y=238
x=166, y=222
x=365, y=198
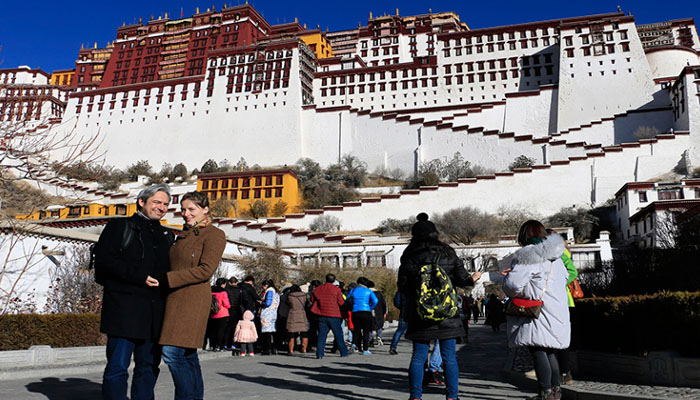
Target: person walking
x=193, y=260
x=297, y=323
x=495, y=315
x=268, y=317
x=131, y=260
x=378, y=315
x=400, y=304
x=538, y=273
x=326, y=301
x=426, y=249
x=363, y=300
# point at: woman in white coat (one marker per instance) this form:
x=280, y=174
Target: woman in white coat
x=537, y=272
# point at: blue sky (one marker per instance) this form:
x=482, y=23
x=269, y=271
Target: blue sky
x=48, y=34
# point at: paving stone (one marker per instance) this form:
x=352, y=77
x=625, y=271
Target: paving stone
x=379, y=376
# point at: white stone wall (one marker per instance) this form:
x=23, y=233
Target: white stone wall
x=591, y=181
x=264, y=128
x=692, y=114
x=535, y=114
x=27, y=269
x=666, y=63
x=596, y=86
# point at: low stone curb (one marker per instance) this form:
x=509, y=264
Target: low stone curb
x=87, y=365
x=574, y=393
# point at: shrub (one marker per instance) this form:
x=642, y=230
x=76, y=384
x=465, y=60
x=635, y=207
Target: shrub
x=325, y=223
x=19, y=332
x=142, y=167
x=224, y=208
x=636, y=325
x=329, y=187
x=279, y=208
x=522, y=161
x=644, y=271
x=395, y=226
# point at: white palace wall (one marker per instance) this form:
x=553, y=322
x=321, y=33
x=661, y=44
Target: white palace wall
x=592, y=87
x=264, y=128
x=664, y=63
x=533, y=113
x=585, y=182
x=395, y=143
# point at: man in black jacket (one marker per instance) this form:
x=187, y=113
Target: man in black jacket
x=234, y=313
x=250, y=300
x=131, y=258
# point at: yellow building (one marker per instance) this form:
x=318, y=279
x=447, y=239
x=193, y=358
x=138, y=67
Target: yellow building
x=243, y=188
x=88, y=210
x=317, y=41
x=62, y=77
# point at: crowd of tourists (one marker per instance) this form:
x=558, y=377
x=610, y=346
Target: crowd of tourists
x=295, y=319
x=159, y=303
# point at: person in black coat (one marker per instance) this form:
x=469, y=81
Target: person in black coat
x=250, y=300
x=131, y=259
x=235, y=313
x=425, y=249
x=378, y=315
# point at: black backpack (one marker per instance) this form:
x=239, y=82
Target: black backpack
x=214, y=309
x=436, y=297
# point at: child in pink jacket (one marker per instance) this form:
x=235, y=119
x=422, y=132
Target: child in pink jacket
x=246, y=334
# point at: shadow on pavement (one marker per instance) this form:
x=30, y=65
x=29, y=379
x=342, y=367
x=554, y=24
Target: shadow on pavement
x=296, y=386
x=68, y=389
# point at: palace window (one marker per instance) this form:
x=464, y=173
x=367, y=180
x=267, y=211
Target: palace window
x=643, y=197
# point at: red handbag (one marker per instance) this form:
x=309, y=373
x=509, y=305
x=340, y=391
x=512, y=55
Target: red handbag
x=517, y=307
x=524, y=308
x=575, y=288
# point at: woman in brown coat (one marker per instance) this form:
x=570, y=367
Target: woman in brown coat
x=297, y=324
x=194, y=258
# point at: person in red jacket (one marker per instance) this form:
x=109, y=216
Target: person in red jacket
x=326, y=302
x=219, y=320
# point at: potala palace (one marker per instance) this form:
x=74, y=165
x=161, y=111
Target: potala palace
x=599, y=102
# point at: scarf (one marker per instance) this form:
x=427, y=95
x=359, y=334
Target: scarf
x=198, y=225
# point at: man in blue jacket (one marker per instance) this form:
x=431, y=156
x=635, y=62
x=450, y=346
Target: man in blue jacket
x=363, y=301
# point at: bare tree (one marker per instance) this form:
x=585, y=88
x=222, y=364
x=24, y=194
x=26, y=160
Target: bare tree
x=20, y=258
x=511, y=217
x=463, y=225
x=257, y=209
x=224, y=208
x=73, y=288
x=266, y=263
x=666, y=230
x=325, y=223
x=30, y=153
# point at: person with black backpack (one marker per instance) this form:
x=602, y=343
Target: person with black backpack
x=131, y=260
x=234, y=313
x=429, y=273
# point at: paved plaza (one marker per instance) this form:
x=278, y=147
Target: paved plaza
x=379, y=376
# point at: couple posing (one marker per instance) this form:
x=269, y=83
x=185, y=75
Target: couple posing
x=157, y=294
